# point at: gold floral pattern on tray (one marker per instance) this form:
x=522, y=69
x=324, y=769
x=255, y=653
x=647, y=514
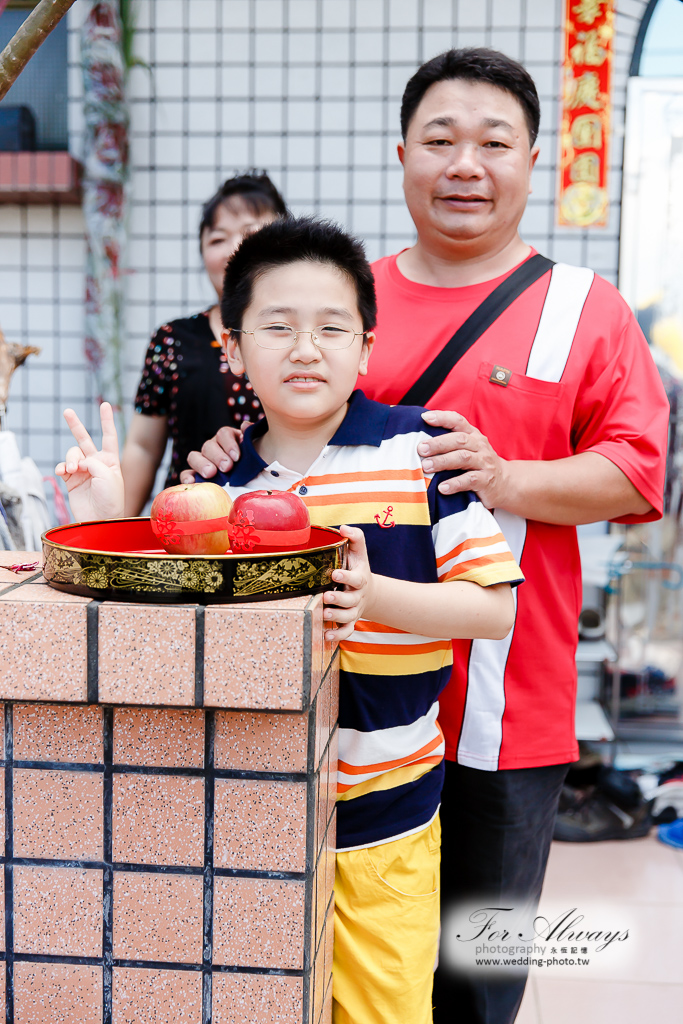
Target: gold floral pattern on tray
x=292, y=573
x=104, y=572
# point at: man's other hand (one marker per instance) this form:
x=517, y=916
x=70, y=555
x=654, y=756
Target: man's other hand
x=465, y=448
x=220, y=453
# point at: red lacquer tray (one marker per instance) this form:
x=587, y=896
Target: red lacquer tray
x=120, y=559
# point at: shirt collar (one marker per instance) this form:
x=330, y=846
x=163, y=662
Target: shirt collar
x=364, y=423
x=250, y=463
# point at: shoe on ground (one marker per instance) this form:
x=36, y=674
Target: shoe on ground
x=570, y=799
x=598, y=818
x=619, y=787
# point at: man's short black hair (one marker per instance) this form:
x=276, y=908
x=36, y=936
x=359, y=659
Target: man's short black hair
x=474, y=64
x=254, y=189
x=290, y=240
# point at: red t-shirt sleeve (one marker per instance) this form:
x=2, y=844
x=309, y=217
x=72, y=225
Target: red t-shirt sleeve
x=622, y=411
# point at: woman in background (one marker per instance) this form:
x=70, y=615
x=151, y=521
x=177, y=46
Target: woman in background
x=187, y=391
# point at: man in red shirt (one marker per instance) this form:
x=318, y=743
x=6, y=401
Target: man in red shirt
x=575, y=419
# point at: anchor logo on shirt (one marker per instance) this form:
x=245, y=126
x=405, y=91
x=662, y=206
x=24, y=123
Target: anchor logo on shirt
x=387, y=522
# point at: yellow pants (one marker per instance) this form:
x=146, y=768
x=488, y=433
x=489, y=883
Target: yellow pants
x=386, y=931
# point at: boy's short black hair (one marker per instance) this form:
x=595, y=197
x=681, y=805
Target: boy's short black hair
x=474, y=64
x=254, y=189
x=290, y=240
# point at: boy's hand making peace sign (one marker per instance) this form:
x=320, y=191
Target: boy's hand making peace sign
x=93, y=478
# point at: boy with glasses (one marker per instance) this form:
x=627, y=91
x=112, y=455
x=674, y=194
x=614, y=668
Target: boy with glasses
x=299, y=308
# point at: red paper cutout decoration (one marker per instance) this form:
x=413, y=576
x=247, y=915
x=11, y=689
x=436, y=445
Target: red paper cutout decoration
x=242, y=532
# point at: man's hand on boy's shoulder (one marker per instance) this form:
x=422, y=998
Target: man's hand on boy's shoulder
x=466, y=449
x=221, y=452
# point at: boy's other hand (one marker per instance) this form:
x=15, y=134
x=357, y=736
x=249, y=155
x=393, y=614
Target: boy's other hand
x=344, y=607
x=93, y=478
x=220, y=453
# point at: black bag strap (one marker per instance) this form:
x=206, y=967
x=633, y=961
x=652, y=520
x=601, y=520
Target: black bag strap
x=426, y=386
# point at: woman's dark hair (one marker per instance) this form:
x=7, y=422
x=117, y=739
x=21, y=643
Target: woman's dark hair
x=290, y=240
x=254, y=189
x=474, y=64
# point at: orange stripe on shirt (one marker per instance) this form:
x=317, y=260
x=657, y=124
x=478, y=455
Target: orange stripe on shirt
x=366, y=625
x=350, y=478
x=474, y=563
x=395, y=649
x=382, y=766
x=344, y=787
x=472, y=542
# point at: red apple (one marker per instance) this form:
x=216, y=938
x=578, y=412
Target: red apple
x=192, y=519
x=277, y=520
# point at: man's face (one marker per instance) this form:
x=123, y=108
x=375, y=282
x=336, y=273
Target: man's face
x=467, y=166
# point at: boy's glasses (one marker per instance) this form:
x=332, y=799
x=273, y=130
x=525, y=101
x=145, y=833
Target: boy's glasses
x=281, y=336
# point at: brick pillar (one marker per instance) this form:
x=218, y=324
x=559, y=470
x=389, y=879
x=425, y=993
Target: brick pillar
x=169, y=782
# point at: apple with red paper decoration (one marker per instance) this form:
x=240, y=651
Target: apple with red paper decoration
x=192, y=519
x=277, y=520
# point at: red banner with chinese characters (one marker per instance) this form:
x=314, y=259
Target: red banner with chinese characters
x=586, y=112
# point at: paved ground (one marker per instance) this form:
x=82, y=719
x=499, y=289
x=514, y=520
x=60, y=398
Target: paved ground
x=637, y=884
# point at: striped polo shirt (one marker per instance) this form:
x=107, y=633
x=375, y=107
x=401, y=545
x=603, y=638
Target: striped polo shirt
x=370, y=475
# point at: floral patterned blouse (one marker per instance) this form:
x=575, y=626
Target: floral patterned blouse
x=186, y=377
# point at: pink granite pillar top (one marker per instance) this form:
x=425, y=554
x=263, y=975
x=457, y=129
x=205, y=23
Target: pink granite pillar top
x=61, y=647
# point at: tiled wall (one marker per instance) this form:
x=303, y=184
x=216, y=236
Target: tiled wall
x=309, y=89
x=165, y=863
